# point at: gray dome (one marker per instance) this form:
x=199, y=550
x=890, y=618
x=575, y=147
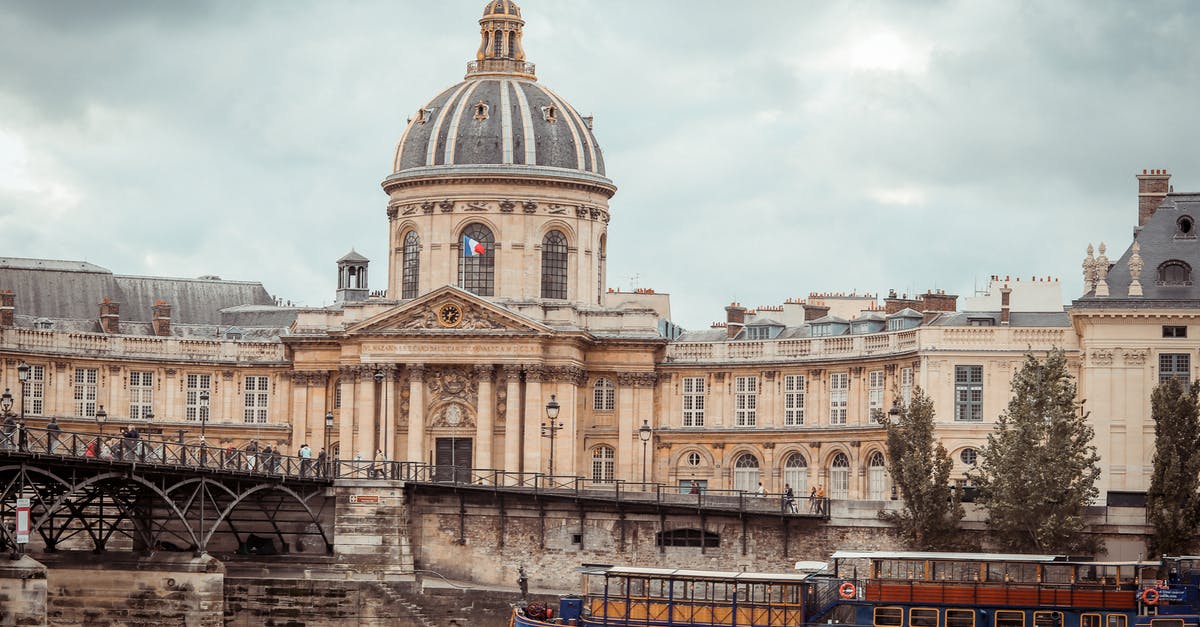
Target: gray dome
x=497, y=121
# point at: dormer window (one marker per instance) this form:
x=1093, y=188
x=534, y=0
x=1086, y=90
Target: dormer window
x=550, y=113
x=981, y=322
x=1185, y=228
x=1174, y=272
x=43, y=324
x=423, y=115
x=481, y=111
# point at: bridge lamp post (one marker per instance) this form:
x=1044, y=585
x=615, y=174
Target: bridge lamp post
x=203, y=413
x=328, y=431
x=644, y=433
x=23, y=370
x=101, y=416
x=550, y=428
x=6, y=402
x=379, y=405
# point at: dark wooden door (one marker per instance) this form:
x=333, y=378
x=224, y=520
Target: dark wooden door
x=452, y=458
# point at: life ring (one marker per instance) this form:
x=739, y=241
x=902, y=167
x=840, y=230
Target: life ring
x=847, y=590
x=1150, y=596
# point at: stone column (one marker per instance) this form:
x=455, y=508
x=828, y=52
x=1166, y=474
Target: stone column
x=170, y=408
x=301, y=421
x=416, y=413
x=315, y=411
x=627, y=424
x=388, y=407
x=365, y=414
x=229, y=395
x=346, y=413
x=642, y=384
x=485, y=407
x=512, y=419
x=535, y=413
x=118, y=398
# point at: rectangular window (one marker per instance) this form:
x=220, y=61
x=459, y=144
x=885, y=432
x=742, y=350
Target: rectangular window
x=604, y=395
x=1174, y=331
x=693, y=401
x=1048, y=619
x=141, y=394
x=1009, y=618
x=889, y=616
x=1090, y=620
x=1178, y=365
x=256, y=392
x=85, y=391
x=906, y=385
x=197, y=383
x=961, y=618
x=875, y=391
x=923, y=617
x=746, y=401
x=968, y=393
x=793, y=400
x=35, y=390
x=337, y=395
x=1154, y=622
x=839, y=393
x=1120, y=620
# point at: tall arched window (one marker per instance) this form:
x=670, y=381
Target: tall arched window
x=410, y=276
x=603, y=395
x=603, y=464
x=839, y=477
x=745, y=473
x=554, y=265
x=477, y=260
x=876, y=477
x=1174, y=272
x=795, y=474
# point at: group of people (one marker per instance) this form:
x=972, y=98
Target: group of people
x=817, y=502
x=15, y=434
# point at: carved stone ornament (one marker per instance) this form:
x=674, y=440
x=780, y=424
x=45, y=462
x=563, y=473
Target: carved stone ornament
x=1135, y=270
x=477, y=207
x=581, y=213
x=452, y=383
x=556, y=210
x=1089, y=270
x=453, y=416
x=1102, y=357
x=507, y=206
x=637, y=379
x=1102, y=273
x=534, y=372
x=446, y=205
x=393, y=211
x=529, y=206
x=408, y=210
x=1134, y=357
x=502, y=404
x=568, y=374
x=426, y=319
x=595, y=213
x=427, y=207
x=512, y=372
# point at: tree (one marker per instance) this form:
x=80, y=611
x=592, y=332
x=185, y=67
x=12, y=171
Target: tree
x=1173, y=503
x=920, y=469
x=1039, y=467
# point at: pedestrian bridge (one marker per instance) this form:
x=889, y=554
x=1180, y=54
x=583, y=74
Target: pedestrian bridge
x=116, y=493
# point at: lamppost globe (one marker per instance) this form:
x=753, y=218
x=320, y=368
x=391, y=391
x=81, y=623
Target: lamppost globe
x=328, y=431
x=101, y=417
x=23, y=372
x=644, y=433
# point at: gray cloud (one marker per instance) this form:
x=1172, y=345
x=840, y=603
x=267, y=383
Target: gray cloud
x=811, y=147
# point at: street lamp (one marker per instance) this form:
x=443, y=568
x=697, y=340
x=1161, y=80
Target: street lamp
x=6, y=401
x=101, y=416
x=203, y=413
x=644, y=433
x=550, y=428
x=328, y=431
x=378, y=409
x=23, y=375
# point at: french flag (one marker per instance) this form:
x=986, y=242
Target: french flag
x=472, y=248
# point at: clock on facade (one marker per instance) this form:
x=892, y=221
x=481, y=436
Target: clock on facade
x=450, y=315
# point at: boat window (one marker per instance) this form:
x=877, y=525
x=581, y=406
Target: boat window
x=1119, y=620
x=1012, y=573
x=956, y=571
x=659, y=588
x=901, y=569
x=1048, y=619
x=1089, y=620
x=1164, y=622
x=637, y=587
x=1008, y=618
x=1057, y=573
x=923, y=617
x=961, y=618
x=680, y=590
x=889, y=616
x=794, y=594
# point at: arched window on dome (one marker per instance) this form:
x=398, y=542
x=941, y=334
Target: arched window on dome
x=498, y=51
x=410, y=274
x=795, y=473
x=1174, y=272
x=554, y=265
x=876, y=477
x=477, y=260
x=512, y=44
x=839, y=477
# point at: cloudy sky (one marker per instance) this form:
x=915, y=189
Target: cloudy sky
x=763, y=149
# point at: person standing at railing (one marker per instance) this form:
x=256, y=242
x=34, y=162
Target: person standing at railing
x=22, y=436
x=131, y=443
x=322, y=464
x=380, y=464
x=10, y=430
x=53, y=430
x=789, y=497
x=305, y=460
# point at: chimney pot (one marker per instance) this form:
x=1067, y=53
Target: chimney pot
x=161, y=319
x=110, y=316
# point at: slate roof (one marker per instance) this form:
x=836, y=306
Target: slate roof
x=63, y=290
x=1015, y=319
x=1160, y=240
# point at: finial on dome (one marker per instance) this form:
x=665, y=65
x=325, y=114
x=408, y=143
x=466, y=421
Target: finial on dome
x=500, y=50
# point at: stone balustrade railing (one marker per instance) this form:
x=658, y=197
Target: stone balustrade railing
x=133, y=347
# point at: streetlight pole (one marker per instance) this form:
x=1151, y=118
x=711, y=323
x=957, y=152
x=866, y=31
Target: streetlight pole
x=381, y=430
x=6, y=403
x=644, y=433
x=203, y=409
x=23, y=370
x=550, y=427
x=101, y=416
x=328, y=430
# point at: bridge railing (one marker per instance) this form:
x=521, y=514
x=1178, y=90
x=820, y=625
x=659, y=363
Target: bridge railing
x=100, y=447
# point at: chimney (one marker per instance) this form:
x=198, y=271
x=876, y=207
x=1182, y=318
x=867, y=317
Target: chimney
x=735, y=320
x=110, y=316
x=812, y=312
x=1153, y=186
x=895, y=304
x=1005, y=293
x=8, y=308
x=161, y=320
x=938, y=301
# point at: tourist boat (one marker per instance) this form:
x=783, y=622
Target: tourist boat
x=891, y=589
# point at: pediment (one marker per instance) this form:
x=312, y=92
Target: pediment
x=449, y=310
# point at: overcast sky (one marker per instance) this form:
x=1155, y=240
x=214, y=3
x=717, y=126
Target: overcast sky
x=763, y=150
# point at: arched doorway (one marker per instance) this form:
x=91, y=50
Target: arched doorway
x=745, y=473
x=839, y=477
x=795, y=474
x=876, y=477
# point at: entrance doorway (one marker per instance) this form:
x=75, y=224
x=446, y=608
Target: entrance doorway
x=452, y=460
